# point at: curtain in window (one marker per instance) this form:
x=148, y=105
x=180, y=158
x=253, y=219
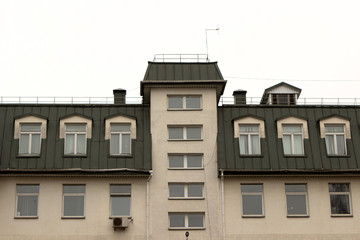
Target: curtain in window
x=330, y=145
x=125, y=143
x=298, y=144
x=255, y=144
x=69, y=143
x=81, y=144
x=115, y=144
x=287, y=144
x=340, y=142
x=35, y=144
x=244, y=146
x=24, y=143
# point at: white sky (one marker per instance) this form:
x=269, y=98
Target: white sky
x=90, y=47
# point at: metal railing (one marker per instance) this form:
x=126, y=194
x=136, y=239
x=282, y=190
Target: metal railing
x=181, y=58
x=138, y=100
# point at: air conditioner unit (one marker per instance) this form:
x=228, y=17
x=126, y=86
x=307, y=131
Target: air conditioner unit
x=121, y=222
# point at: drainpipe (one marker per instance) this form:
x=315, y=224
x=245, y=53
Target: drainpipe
x=148, y=204
x=223, y=204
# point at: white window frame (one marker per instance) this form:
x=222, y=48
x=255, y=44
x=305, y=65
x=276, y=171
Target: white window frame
x=292, y=141
x=249, y=138
x=262, y=214
x=76, y=134
x=120, y=134
x=185, y=132
x=186, y=190
x=184, y=102
x=186, y=223
x=297, y=193
x=127, y=194
x=341, y=193
x=30, y=134
x=334, y=137
x=73, y=195
x=186, y=160
x=33, y=194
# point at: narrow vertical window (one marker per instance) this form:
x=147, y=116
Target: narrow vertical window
x=30, y=139
x=292, y=139
x=27, y=200
x=296, y=199
x=75, y=139
x=249, y=139
x=252, y=200
x=335, y=139
x=120, y=140
x=73, y=201
x=340, y=199
x=120, y=196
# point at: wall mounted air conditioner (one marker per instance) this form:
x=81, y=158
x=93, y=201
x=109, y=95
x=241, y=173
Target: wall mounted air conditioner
x=121, y=222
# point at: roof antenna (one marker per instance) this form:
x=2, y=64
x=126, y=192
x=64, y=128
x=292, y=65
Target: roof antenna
x=207, y=51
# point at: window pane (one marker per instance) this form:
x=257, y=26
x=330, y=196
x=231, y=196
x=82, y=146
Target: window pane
x=296, y=204
x=120, y=205
x=196, y=220
x=120, y=189
x=24, y=143
x=340, y=204
x=73, y=205
x=74, y=188
x=114, y=143
x=176, y=133
x=248, y=128
x=298, y=144
x=176, y=190
x=339, y=187
x=120, y=127
x=27, y=189
x=330, y=144
x=81, y=144
x=177, y=220
x=35, y=144
x=244, y=146
x=30, y=127
x=334, y=128
x=193, y=132
x=251, y=188
x=252, y=204
x=255, y=144
x=195, y=190
x=193, y=102
x=75, y=127
x=295, y=188
x=175, y=102
x=69, y=143
x=194, y=161
x=27, y=206
x=291, y=128
x=125, y=143
x=176, y=161
x=287, y=144
x=340, y=142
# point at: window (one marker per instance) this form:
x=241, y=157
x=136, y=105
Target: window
x=184, y=102
x=340, y=199
x=185, y=133
x=335, y=139
x=120, y=141
x=252, y=200
x=185, y=161
x=73, y=201
x=296, y=199
x=120, y=196
x=292, y=139
x=27, y=200
x=186, y=220
x=283, y=99
x=249, y=139
x=30, y=139
x=75, y=139
x=186, y=190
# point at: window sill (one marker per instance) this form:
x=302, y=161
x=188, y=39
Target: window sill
x=186, y=228
x=298, y=216
x=25, y=217
x=341, y=215
x=338, y=156
x=73, y=217
x=251, y=155
x=295, y=156
x=199, y=168
x=253, y=216
x=182, y=140
x=112, y=217
x=120, y=156
x=186, y=198
x=184, y=109
x=74, y=156
x=28, y=156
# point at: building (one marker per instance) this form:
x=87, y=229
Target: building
x=181, y=162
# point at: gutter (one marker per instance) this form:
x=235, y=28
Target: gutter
x=148, y=204
x=223, y=205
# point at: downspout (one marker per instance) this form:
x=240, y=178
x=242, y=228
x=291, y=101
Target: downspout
x=223, y=205
x=148, y=204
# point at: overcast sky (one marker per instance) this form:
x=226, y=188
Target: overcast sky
x=90, y=47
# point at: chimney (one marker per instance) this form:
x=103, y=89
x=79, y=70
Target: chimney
x=119, y=96
x=239, y=96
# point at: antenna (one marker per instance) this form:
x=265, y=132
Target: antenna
x=207, y=50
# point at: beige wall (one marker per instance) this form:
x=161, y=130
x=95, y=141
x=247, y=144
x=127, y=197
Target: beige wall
x=160, y=204
x=49, y=225
x=276, y=225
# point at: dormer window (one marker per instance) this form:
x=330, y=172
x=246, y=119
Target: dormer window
x=281, y=94
x=283, y=99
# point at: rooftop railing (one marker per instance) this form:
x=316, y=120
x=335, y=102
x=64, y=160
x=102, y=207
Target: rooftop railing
x=181, y=58
x=138, y=100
